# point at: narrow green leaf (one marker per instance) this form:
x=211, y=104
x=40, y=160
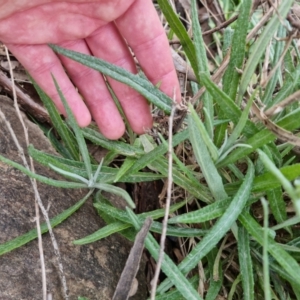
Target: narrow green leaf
x=274, y=267
x=106, y=175
x=43, y=179
x=266, y=273
x=220, y=228
x=267, y=98
x=289, y=222
x=143, y=86
x=32, y=234
x=290, y=85
x=174, y=294
x=234, y=287
x=260, y=45
x=119, y=147
x=246, y=268
x=154, y=214
x=215, y=282
x=155, y=227
x=226, y=104
x=263, y=137
x=193, y=186
x=114, y=190
x=79, y=137
x=267, y=181
x=102, y=233
x=160, y=150
x=178, y=28
x=127, y=164
x=62, y=129
x=202, y=65
x=204, y=160
x=277, y=204
x=286, y=261
x=283, y=180
x=238, y=49
x=235, y=135
x=207, y=213
x=206, y=137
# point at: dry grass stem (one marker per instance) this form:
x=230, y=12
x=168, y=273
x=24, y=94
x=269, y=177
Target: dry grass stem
x=38, y=200
x=280, y=132
x=261, y=23
x=25, y=100
x=265, y=67
x=275, y=109
x=280, y=60
x=168, y=203
x=33, y=181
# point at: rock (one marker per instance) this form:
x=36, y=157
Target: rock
x=91, y=270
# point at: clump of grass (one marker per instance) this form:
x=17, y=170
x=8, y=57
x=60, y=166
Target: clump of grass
x=238, y=169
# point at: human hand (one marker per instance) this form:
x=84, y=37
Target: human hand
x=99, y=28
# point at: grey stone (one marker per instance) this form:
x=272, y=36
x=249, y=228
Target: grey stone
x=91, y=271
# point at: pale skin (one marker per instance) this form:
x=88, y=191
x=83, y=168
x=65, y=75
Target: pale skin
x=99, y=28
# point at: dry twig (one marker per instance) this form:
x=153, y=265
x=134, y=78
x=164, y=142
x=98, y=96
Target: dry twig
x=275, y=109
x=280, y=132
x=126, y=282
x=24, y=99
x=168, y=203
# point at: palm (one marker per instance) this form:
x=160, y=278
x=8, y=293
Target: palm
x=48, y=22
x=98, y=28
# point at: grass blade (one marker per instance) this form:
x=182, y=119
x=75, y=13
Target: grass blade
x=119, y=147
x=102, y=233
x=283, y=180
x=220, y=228
x=237, y=55
x=261, y=44
x=267, y=287
x=32, y=234
x=204, y=160
x=114, y=190
x=206, y=137
x=79, y=137
x=277, y=204
x=180, y=32
x=106, y=175
x=279, y=46
x=202, y=66
x=140, y=84
x=267, y=181
x=263, y=137
x=155, y=227
x=207, y=213
x=227, y=105
x=43, y=179
x=286, y=261
x=61, y=127
x=246, y=268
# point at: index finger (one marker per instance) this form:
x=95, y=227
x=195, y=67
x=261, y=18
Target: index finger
x=144, y=33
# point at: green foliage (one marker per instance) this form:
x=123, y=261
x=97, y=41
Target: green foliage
x=246, y=247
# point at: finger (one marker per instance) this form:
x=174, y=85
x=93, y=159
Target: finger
x=107, y=44
x=93, y=88
x=40, y=61
x=141, y=28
